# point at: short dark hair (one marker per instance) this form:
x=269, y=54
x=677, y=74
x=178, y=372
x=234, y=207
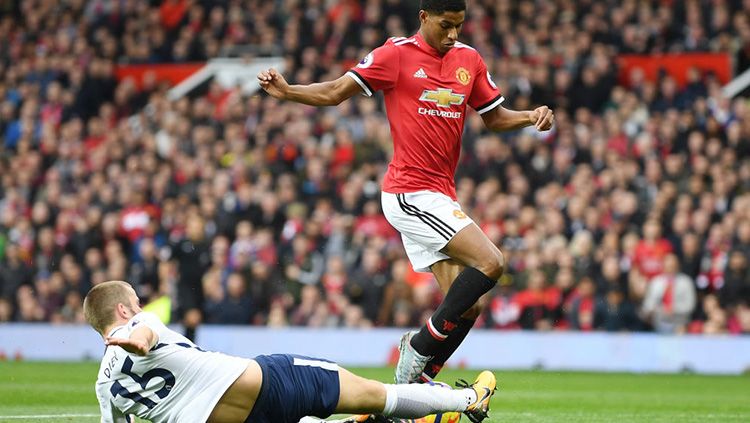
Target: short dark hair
x=441, y=6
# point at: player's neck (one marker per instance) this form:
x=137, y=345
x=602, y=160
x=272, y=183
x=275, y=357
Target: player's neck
x=109, y=330
x=435, y=49
x=113, y=326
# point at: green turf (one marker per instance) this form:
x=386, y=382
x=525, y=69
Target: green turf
x=67, y=388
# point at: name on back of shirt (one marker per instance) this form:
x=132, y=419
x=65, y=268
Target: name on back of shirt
x=111, y=365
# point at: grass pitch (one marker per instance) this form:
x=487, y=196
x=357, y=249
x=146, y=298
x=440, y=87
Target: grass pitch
x=64, y=392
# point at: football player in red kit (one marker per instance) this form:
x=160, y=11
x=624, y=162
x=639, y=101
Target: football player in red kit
x=428, y=80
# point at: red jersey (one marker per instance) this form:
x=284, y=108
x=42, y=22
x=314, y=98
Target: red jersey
x=425, y=98
x=649, y=258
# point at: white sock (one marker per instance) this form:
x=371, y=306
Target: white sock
x=419, y=400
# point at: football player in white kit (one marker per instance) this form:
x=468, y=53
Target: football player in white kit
x=156, y=374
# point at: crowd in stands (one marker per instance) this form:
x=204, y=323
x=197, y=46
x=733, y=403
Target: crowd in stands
x=632, y=214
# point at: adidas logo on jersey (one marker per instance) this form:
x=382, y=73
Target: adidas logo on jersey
x=420, y=73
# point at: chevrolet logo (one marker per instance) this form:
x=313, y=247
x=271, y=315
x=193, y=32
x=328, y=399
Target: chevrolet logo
x=443, y=97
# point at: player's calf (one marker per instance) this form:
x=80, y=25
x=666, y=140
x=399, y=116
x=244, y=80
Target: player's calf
x=465, y=291
x=419, y=400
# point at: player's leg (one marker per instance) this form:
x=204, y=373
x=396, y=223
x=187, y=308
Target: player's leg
x=435, y=341
x=484, y=265
x=359, y=395
x=445, y=272
x=364, y=396
x=434, y=229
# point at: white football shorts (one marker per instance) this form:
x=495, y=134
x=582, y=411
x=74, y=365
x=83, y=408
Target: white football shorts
x=427, y=220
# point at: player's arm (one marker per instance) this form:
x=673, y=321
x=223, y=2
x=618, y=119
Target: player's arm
x=140, y=341
x=502, y=119
x=329, y=93
x=487, y=101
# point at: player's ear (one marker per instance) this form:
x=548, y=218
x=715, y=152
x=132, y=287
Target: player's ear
x=122, y=310
x=423, y=16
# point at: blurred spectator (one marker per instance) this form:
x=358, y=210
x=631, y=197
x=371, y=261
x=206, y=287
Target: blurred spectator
x=192, y=256
x=649, y=254
x=619, y=314
x=302, y=265
x=532, y=303
x=6, y=310
x=715, y=321
x=742, y=322
x=265, y=284
x=308, y=306
x=13, y=272
x=236, y=308
x=670, y=298
x=736, y=288
x=586, y=312
x=398, y=306
x=144, y=274
x=503, y=310
x=366, y=285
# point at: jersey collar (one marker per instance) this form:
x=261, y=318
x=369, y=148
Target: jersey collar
x=115, y=329
x=424, y=45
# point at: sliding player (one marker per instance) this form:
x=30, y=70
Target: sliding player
x=157, y=374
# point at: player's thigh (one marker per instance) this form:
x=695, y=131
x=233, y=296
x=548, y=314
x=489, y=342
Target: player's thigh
x=359, y=395
x=473, y=248
x=427, y=222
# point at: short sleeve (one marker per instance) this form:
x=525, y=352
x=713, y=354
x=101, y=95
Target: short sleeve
x=378, y=70
x=485, y=95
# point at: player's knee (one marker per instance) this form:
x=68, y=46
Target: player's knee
x=358, y=395
x=370, y=397
x=375, y=394
x=493, y=266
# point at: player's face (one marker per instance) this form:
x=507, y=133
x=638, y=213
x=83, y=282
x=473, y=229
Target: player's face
x=441, y=31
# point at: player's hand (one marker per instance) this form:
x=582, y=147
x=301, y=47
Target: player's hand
x=542, y=118
x=133, y=346
x=273, y=83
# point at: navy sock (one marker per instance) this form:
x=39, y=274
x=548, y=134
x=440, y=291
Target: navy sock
x=465, y=291
x=449, y=347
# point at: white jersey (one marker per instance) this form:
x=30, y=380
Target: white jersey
x=175, y=382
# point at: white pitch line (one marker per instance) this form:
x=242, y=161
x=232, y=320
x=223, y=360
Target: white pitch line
x=48, y=416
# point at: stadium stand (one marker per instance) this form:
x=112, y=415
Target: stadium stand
x=633, y=214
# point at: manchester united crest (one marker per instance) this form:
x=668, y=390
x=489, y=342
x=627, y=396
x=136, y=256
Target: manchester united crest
x=463, y=76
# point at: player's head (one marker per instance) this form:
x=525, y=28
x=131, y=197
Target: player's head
x=441, y=21
x=109, y=302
